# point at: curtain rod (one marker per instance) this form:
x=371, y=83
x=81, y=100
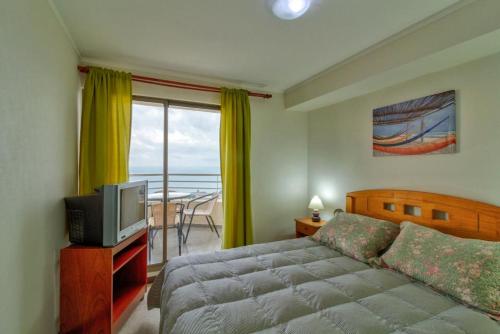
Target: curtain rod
x=179, y=84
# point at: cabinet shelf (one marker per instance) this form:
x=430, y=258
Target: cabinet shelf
x=127, y=296
x=122, y=258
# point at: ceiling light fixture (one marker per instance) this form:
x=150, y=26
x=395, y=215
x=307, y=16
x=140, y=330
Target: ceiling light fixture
x=290, y=9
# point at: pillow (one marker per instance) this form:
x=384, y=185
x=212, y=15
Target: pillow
x=357, y=236
x=467, y=269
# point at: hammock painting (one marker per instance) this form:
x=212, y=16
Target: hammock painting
x=422, y=126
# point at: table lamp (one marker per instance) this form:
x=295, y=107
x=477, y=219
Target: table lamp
x=316, y=205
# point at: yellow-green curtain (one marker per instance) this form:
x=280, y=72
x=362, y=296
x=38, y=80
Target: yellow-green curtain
x=105, y=129
x=235, y=167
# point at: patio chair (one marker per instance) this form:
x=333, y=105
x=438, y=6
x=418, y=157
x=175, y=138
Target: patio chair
x=197, y=211
x=173, y=209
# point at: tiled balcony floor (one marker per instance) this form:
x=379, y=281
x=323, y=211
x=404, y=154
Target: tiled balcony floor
x=200, y=240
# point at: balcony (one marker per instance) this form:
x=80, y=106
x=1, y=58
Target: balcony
x=182, y=188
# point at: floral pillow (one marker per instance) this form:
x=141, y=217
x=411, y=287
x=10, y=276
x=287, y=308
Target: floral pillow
x=467, y=269
x=357, y=236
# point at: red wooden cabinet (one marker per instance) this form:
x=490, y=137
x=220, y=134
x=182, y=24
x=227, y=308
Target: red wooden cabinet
x=101, y=286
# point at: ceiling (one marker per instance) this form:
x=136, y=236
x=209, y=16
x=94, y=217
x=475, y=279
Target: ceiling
x=236, y=40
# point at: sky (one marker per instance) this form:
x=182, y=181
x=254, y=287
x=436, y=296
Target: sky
x=193, y=140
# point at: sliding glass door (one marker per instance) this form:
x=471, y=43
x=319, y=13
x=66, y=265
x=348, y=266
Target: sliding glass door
x=183, y=172
x=146, y=162
x=194, y=176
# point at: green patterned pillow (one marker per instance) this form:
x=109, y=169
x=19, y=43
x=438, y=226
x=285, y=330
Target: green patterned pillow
x=467, y=269
x=357, y=236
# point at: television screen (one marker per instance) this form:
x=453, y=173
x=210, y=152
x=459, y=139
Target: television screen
x=132, y=210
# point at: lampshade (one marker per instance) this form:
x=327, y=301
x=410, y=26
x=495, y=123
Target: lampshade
x=316, y=203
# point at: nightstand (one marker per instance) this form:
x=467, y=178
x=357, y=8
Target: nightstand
x=305, y=226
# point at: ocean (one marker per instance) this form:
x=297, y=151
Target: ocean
x=194, y=180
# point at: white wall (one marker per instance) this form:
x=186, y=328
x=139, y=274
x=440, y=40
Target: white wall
x=340, y=145
x=38, y=94
x=278, y=159
x=279, y=169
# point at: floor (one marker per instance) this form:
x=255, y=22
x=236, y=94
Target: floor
x=200, y=239
x=142, y=321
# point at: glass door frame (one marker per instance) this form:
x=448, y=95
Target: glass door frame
x=166, y=104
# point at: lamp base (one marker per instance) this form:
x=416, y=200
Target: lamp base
x=315, y=216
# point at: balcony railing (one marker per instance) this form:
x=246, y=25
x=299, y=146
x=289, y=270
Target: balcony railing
x=182, y=182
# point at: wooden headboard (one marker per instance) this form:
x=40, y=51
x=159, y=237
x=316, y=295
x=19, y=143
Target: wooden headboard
x=452, y=215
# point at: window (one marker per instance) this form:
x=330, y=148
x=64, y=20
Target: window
x=193, y=171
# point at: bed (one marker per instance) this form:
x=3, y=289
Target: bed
x=301, y=286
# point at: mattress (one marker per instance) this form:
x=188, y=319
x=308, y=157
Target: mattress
x=300, y=286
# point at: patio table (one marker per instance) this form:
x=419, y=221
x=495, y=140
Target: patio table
x=172, y=195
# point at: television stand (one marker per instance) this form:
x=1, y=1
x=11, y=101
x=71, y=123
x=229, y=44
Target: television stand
x=101, y=286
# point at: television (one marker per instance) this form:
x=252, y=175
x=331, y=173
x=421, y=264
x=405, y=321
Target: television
x=108, y=216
